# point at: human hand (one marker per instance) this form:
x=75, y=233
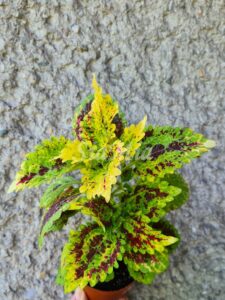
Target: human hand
x=80, y=295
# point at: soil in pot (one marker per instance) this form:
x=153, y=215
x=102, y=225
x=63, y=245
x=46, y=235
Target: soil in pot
x=114, y=289
x=120, y=280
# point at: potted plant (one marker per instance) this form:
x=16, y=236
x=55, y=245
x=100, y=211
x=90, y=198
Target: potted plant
x=127, y=184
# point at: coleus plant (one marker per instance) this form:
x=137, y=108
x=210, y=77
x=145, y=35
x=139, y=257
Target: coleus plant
x=127, y=184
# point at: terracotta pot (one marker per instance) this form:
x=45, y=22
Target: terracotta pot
x=94, y=294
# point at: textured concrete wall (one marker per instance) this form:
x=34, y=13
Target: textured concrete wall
x=162, y=58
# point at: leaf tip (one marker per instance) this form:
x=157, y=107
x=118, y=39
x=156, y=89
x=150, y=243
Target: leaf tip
x=145, y=119
x=40, y=242
x=95, y=86
x=12, y=187
x=210, y=144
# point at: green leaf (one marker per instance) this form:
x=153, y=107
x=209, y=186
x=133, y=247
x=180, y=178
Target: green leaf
x=88, y=257
x=109, y=277
x=132, y=136
x=150, y=199
x=168, y=229
x=139, y=276
x=146, y=263
x=145, y=250
x=41, y=166
x=178, y=181
x=165, y=149
x=95, y=122
x=55, y=189
x=99, y=210
x=62, y=221
x=67, y=203
x=141, y=237
x=99, y=176
x=83, y=111
x=59, y=278
x=127, y=174
x=55, y=217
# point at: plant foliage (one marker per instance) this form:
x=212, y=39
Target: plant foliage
x=128, y=183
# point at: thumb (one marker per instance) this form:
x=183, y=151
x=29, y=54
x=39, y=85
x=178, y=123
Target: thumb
x=79, y=295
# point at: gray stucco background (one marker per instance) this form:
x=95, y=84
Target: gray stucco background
x=162, y=58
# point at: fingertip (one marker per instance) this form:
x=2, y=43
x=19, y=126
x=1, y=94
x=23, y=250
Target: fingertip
x=79, y=295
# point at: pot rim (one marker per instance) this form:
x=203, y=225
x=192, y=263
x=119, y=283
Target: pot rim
x=112, y=291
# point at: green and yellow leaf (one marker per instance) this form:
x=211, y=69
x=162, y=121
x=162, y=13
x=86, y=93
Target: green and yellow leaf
x=96, y=123
x=72, y=152
x=145, y=250
x=146, y=263
x=165, y=149
x=178, y=181
x=139, y=276
x=41, y=166
x=55, y=217
x=81, y=153
x=88, y=257
x=99, y=210
x=132, y=136
x=56, y=189
x=150, y=199
x=168, y=229
x=82, y=110
x=140, y=237
x=99, y=176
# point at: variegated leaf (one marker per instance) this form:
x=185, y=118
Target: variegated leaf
x=41, y=166
x=140, y=237
x=132, y=136
x=79, y=115
x=95, y=123
x=139, y=276
x=178, y=181
x=83, y=110
x=55, y=216
x=100, y=175
x=67, y=203
x=146, y=263
x=168, y=229
x=145, y=250
x=150, y=199
x=99, y=210
x=56, y=189
x=88, y=257
x=165, y=149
